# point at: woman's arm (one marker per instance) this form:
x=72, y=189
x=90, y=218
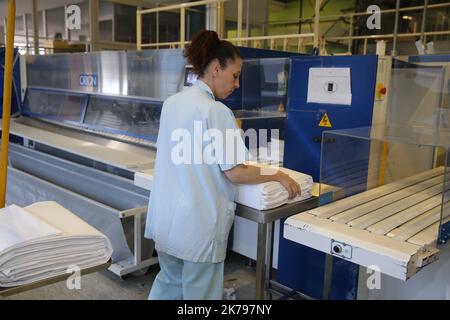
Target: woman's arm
x=247, y=174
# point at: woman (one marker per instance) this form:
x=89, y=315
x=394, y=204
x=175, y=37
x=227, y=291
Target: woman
x=191, y=206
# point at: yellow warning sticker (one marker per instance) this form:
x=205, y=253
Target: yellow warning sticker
x=325, y=122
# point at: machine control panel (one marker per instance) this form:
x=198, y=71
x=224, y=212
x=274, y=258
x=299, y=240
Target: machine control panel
x=341, y=249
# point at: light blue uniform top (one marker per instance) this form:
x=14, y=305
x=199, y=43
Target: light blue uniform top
x=191, y=206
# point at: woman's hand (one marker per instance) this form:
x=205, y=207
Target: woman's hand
x=248, y=174
x=289, y=184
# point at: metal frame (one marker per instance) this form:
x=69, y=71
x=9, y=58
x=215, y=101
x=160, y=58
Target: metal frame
x=182, y=7
x=266, y=220
x=238, y=40
x=134, y=263
x=317, y=40
x=395, y=35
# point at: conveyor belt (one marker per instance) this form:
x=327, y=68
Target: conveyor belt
x=395, y=225
x=351, y=202
x=115, y=153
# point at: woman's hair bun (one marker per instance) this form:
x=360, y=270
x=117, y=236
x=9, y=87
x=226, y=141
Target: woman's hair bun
x=206, y=46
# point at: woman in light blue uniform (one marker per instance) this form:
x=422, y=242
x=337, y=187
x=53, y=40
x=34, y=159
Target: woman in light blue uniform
x=199, y=160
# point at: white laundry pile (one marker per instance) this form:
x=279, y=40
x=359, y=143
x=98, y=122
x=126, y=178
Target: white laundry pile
x=43, y=240
x=272, y=194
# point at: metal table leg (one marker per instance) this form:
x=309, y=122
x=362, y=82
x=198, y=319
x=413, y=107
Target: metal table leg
x=137, y=240
x=328, y=274
x=261, y=261
x=269, y=258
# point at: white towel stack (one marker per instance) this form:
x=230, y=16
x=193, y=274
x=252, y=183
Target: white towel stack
x=272, y=194
x=43, y=240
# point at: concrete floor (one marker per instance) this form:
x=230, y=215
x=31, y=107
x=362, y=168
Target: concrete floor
x=105, y=285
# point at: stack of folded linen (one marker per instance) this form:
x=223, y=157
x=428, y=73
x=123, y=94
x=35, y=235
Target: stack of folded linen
x=43, y=240
x=272, y=194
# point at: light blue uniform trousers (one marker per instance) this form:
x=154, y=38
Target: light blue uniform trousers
x=179, y=279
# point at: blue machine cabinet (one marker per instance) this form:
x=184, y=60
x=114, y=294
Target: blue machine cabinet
x=299, y=267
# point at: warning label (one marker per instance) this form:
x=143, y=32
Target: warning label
x=325, y=122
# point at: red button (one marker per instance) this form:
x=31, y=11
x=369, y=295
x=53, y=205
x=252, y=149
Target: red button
x=382, y=91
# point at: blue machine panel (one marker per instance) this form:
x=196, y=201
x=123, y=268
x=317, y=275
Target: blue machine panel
x=303, y=133
x=300, y=267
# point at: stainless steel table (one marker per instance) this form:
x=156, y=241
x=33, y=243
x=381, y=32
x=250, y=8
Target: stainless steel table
x=266, y=220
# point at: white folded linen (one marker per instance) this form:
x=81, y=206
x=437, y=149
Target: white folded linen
x=43, y=240
x=272, y=194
